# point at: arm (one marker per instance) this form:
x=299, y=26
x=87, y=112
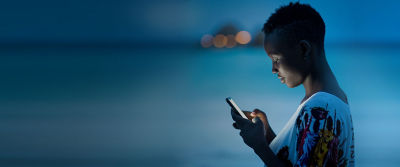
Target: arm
x=268, y=157
x=270, y=135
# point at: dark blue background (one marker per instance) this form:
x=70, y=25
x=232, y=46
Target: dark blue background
x=126, y=83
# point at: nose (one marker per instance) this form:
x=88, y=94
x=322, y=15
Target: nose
x=274, y=69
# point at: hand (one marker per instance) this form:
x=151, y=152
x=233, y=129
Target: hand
x=269, y=134
x=262, y=116
x=252, y=132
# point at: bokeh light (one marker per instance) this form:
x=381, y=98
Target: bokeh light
x=231, y=41
x=243, y=37
x=206, y=41
x=220, y=41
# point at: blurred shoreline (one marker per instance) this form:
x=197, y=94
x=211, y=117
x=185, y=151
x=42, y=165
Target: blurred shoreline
x=171, y=44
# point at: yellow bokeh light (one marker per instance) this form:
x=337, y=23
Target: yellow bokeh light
x=206, y=41
x=243, y=37
x=220, y=41
x=231, y=41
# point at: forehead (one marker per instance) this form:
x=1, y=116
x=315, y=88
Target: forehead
x=272, y=43
x=276, y=44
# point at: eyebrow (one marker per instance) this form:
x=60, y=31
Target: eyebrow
x=274, y=54
x=272, y=51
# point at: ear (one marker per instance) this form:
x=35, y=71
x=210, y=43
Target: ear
x=305, y=48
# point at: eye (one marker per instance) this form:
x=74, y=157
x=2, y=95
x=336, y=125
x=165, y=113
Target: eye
x=276, y=60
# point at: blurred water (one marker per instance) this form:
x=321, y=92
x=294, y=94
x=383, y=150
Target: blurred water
x=165, y=107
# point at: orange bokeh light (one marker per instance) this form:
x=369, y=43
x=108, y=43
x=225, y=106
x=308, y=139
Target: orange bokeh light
x=220, y=41
x=231, y=41
x=243, y=37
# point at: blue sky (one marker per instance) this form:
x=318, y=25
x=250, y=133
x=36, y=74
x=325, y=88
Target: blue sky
x=182, y=20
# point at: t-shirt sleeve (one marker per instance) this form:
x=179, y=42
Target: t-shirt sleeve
x=318, y=129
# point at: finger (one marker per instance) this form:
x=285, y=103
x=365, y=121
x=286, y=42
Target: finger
x=234, y=110
x=248, y=115
x=235, y=126
x=241, y=133
x=259, y=113
x=240, y=122
x=257, y=121
x=235, y=115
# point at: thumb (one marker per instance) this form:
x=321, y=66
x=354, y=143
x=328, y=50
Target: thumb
x=257, y=112
x=258, y=123
x=257, y=120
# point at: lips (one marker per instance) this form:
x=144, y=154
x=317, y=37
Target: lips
x=281, y=78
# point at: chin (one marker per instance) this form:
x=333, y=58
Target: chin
x=290, y=85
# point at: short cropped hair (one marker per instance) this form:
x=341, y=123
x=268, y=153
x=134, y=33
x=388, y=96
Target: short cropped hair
x=297, y=22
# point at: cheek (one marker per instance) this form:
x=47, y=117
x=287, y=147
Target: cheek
x=293, y=76
x=294, y=80
x=288, y=71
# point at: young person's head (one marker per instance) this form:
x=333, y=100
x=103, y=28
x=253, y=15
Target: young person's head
x=294, y=38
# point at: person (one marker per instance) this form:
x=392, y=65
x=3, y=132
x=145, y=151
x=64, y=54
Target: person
x=320, y=132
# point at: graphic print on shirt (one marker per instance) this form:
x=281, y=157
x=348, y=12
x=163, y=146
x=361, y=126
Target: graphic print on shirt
x=318, y=132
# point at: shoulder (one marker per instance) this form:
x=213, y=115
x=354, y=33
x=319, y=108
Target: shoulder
x=325, y=100
x=323, y=107
x=322, y=128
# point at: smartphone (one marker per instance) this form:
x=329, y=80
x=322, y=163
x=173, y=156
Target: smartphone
x=235, y=106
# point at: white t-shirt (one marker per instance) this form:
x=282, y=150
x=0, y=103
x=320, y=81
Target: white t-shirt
x=320, y=133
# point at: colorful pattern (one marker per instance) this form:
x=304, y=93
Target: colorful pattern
x=320, y=133
x=318, y=138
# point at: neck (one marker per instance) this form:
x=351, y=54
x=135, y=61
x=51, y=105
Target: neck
x=320, y=78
